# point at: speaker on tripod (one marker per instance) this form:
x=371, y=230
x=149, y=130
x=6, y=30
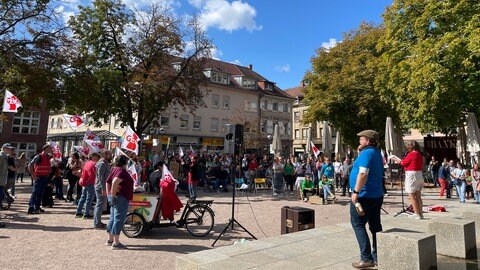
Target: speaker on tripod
x=233, y=145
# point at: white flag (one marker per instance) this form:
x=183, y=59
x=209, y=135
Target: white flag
x=74, y=121
x=89, y=135
x=315, y=150
x=81, y=150
x=192, y=152
x=95, y=146
x=167, y=175
x=11, y=102
x=180, y=152
x=133, y=173
x=130, y=140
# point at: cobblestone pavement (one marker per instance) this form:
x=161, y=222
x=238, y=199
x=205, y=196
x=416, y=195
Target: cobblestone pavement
x=57, y=240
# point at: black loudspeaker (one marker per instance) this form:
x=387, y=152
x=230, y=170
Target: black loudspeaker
x=229, y=140
x=238, y=146
x=233, y=142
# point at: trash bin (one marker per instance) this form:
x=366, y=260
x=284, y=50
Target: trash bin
x=296, y=219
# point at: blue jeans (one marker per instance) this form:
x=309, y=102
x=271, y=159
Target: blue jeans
x=86, y=200
x=371, y=207
x=476, y=193
x=192, y=190
x=58, y=181
x=326, y=190
x=461, y=186
x=117, y=215
x=99, y=206
x=37, y=193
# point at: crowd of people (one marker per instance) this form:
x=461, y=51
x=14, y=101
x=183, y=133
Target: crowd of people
x=97, y=181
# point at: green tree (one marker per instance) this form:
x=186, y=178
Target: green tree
x=341, y=87
x=31, y=41
x=431, y=62
x=122, y=63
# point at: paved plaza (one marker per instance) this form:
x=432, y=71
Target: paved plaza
x=57, y=240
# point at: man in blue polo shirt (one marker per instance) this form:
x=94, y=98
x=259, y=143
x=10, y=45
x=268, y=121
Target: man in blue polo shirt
x=366, y=184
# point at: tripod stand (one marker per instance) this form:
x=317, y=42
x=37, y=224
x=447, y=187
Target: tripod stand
x=403, y=210
x=232, y=220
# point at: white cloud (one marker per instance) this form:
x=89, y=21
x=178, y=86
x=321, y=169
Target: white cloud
x=330, y=44
x=216, y=53
x=237, y=62
x=283, y=68
x=225, y=15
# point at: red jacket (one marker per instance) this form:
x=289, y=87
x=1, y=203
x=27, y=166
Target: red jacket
x=413, y=161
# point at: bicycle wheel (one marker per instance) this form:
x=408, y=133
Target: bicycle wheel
x=133, y=225
x=199, y=220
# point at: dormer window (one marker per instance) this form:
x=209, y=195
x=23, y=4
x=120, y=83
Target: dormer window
x=222, y=78
x=249, y=83
x=269, y=86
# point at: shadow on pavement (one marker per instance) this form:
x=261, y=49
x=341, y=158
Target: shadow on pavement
x=183, y=249
x=30, y=226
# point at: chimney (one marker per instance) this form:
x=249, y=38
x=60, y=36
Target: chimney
x=250, y=66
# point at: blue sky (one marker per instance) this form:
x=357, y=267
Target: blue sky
x=278, y=37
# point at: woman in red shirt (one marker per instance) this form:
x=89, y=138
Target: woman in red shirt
x=413, y=166
x=119, y=193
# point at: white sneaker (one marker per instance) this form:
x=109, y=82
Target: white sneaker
x=416, y=216
x=305, y=199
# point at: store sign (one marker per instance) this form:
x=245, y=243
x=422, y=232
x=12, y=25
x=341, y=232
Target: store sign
x=187, y=140
x=440, y=147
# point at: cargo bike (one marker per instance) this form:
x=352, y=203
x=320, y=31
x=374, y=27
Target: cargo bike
x=144, y=214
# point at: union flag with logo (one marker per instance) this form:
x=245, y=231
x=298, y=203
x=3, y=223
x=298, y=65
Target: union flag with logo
x=74, y=121
x=10, y=102
x=130, y=140
x=315, y=150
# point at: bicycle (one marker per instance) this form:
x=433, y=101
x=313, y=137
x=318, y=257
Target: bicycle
x=197, y=217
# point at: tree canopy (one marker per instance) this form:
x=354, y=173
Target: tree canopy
x=31, y=41
x=341, y=86
x=420, y=67
x=122, y=63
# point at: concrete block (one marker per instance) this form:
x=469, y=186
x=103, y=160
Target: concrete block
x=473, y=216
x=404, y=249
x=454, y=237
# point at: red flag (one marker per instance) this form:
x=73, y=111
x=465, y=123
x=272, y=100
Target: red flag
x=89, y=135
x=95, y=146
x=130, y=140
x=315, y=150
x=10, y=102
x=56, y=151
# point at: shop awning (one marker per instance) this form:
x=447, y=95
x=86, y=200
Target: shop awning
x=78, y=136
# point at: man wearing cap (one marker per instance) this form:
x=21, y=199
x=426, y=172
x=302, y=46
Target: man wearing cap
x=6, y=150
x=39, y=169
x=366, y=183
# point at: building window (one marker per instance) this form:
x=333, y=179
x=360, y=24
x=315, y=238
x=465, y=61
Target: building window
x=215, y=101
x=184, y=122
x=263, y=126
x=296, y=117
x=250, y=106
x=214, y=124
x=164, y=119
x=52, y=122
x=219, y=78
x=268, y=86
x=118, y=123
x=264, y=104
x=289, y=129
x=275, y=106
x=304, y=133
x=30, y=149
x=26, y=123
x=60, y=123
x=224, y=123
x=297, y=134
x=251, y=84
x=304, y=113
x=197, y=122
x=226, y=102
x=286, y=107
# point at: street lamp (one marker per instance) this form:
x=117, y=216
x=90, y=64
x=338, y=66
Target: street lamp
x=270, y=138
